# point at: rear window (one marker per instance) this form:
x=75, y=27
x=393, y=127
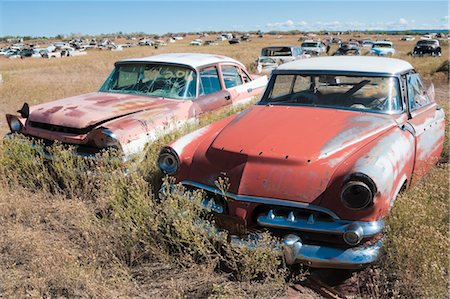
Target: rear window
x=276, y=51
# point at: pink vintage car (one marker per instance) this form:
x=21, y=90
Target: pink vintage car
x=141, y=99
x=320, y=159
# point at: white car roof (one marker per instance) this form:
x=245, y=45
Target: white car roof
x=194, y=60
x=382, y=42
x=349, y=64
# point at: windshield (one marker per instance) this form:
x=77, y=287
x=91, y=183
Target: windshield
x=155, y=80
x=371, y=94
x=276, y=51
x=310, y=45
x=382, y=45
x=426, y=43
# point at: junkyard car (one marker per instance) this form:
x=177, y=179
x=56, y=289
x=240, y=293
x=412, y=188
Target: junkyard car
x=196, y=42
x=427, y=47
x=349, y=48
x=312, y=47
x=383, y=48
x=320, y=159
x=272, y=57
x=142, y=98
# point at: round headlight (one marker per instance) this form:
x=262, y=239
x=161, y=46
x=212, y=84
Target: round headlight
x=356, y=195
x=168, y=161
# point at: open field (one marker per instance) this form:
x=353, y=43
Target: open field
x=66, y=235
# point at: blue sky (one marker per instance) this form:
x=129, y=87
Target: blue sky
x=49, y=18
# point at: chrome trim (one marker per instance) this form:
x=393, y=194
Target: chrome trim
x=262, y=200
x=338, y=227
x=329, y=257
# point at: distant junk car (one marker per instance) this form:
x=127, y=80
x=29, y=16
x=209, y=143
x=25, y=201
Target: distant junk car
x=196, y=42
x=320, y=160
x=427, y=47
x=312, y=47
x=141, y=99
x=272, y=57
x=383, y=48
x=349, y=48
x=234, y=41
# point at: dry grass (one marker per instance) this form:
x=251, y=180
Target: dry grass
x=99, y=233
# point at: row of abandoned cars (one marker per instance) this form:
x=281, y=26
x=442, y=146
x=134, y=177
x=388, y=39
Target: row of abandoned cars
x=318, y=161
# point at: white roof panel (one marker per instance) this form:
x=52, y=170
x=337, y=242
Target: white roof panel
x=349, y=64
x=193, y=60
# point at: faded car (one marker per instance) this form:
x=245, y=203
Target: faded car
x=141, y=99
x=349, y=48
x=367, y=43
x=319, y=161
x=408, y=38
x=272, y=57
x=383, y=48
x=312, y=47
x=196, y=42
x=427, y=47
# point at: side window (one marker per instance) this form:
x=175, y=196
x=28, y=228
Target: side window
x=209, y=81
x=231, y=76
x=417, y=95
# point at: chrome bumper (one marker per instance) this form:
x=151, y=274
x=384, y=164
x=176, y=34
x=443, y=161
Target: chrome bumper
x=329, y=257
x=292, y=246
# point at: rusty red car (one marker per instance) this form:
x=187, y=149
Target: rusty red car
x=319, y=160
x=140, y=100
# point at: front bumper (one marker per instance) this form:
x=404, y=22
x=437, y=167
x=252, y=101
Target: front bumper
x=41, y=146
x=329, y=257
x=296, y=246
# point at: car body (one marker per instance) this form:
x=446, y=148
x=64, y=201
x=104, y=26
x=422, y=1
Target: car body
x=210, y=43
x=234, y=41
x=383, y=48
x=427, y=47
x=140, y=100
x=272, y=57
x=196, y=42
x=349, y=48
x=319, y=160
x=408, y=38
x=313, y=47
x=367, y=43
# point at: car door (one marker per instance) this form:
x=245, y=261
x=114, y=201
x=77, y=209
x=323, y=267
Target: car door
x=240, y=85
x=212, y=94
x=427, y=119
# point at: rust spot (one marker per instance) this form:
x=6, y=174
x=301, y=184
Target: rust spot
x=75, y=113
x=53, y=110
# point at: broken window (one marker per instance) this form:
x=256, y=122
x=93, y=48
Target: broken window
x=158, y=80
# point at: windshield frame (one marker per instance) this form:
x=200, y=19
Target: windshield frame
x=124, y=63
x=265, y=97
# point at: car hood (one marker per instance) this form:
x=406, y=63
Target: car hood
x=93, y=108
x=285, y=152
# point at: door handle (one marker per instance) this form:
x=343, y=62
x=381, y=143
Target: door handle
x=227, y=97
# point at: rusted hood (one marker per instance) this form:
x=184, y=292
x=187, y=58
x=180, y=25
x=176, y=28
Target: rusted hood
x=92, y=108
x=287, y=152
